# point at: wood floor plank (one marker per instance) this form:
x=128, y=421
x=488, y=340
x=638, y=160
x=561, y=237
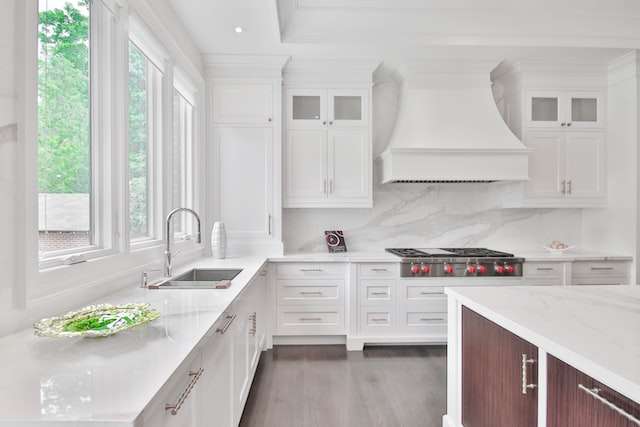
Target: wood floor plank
x=326, y=386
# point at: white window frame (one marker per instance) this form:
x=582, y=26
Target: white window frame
x=187, y=138
x=141, y=37
x=103, y=193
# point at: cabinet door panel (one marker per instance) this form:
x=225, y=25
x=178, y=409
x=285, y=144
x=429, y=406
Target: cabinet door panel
x=307, y=109
x=306, y=166
x=216, y=390
x=585, y=110
x=348, y=108
x=584, y=164
x=349, y=164
x=245, y=180
x=230, y=103
x=492, y=375
x=569, y=405
x=545, y=164
x=544, y=109
x=241, y=381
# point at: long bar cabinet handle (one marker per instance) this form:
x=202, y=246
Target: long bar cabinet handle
x=525, y=382
x=175, y=408
x=595, y=393
x=230, y=318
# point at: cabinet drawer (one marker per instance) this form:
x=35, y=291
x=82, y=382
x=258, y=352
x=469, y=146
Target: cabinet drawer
x=310, y=270
x=374, y=292
x=377, y=270
x=310, y=320
x=297, y=292
x=575, y=399
x=543, y=269
x=376, y=321
x=424, y=293
x=600, y=269
x=424, y=323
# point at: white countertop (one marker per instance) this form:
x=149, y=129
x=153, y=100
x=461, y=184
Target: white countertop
x=569, y=256
x=596, y=329
x=382, y=256
x=112, y=379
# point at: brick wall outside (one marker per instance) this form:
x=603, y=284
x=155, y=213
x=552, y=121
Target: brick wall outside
x=58, y=240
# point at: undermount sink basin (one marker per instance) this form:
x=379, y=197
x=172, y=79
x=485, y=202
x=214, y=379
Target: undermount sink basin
x=200, y=278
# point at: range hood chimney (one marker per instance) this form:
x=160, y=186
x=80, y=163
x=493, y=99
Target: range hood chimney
x=449, y=128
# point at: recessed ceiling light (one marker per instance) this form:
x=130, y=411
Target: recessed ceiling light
x=238, y=29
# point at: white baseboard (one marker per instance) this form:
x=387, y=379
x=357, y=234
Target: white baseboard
x=447, y=421
x=309, y=340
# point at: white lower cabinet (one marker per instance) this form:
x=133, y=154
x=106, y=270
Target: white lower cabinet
x=211, y=387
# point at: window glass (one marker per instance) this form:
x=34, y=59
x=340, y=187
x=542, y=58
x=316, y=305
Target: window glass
x=64, y=127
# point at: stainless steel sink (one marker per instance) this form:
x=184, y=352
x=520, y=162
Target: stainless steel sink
x=199, y=278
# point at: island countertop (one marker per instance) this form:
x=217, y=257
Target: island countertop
x=109, y=381
x=596, y=329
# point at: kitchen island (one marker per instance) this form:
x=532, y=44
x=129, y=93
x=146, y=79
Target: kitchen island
x=543, y=356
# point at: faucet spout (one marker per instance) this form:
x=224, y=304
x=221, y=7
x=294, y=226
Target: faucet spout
x=168, y=262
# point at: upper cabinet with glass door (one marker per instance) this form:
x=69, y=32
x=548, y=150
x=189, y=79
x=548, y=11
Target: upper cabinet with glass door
x=564, y=109
x=316, y=109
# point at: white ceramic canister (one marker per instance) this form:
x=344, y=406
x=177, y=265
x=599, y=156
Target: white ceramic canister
x=218, y=240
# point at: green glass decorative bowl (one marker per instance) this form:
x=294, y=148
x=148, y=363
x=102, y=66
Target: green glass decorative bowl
x=96, y=321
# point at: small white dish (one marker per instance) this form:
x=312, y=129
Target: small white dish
x=559, y=250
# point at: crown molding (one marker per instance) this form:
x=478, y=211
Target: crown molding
x=245, y=66
x=343, y=70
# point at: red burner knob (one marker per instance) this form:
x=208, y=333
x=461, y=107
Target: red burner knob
x=415, y=268
x=471, y=269
x=509, y=268
x=499, y=269
x=448, y=268
x=425, y=268
x=481, y=269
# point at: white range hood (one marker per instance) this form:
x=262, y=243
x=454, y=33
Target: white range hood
x=449, y=129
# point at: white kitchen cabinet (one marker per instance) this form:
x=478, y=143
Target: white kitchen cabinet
x=584, y=164
x=216, y=391
x=564, y=109
x=243, y=102
x=178, y=403
x=565, y=168
x=328, y=150
x=245, y=180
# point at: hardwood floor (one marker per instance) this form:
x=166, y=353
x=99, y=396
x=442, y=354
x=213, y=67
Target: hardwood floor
x=326, y=386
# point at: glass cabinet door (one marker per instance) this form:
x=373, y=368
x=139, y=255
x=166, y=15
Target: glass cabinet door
x=544, y=109
x=307, y=109
x=348, y=108
x=585, y=110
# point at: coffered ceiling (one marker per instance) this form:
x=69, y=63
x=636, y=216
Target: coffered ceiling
x=413, y=28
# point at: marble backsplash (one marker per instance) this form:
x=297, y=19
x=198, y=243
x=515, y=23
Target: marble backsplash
x=419, y=215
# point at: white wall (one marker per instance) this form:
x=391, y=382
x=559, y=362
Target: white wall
x=428, y=215
x=8, y=139
x=614, y=228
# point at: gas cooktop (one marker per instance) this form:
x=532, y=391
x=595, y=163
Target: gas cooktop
x=447, y=252
x=457, y=262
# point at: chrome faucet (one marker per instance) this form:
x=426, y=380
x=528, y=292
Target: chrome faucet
x=167, y=251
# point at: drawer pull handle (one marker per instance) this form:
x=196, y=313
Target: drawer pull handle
x=430, y=293
x=230, y=318
x=311, y=270
x=311, y=319
x=595, y=393
x=379, y=293
x=175, y=408
x=431, y=319
x=525, y=382
x=379, y=270
x=544, y=268
x=310, y=293
x=601, y=268
x=378, y=319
